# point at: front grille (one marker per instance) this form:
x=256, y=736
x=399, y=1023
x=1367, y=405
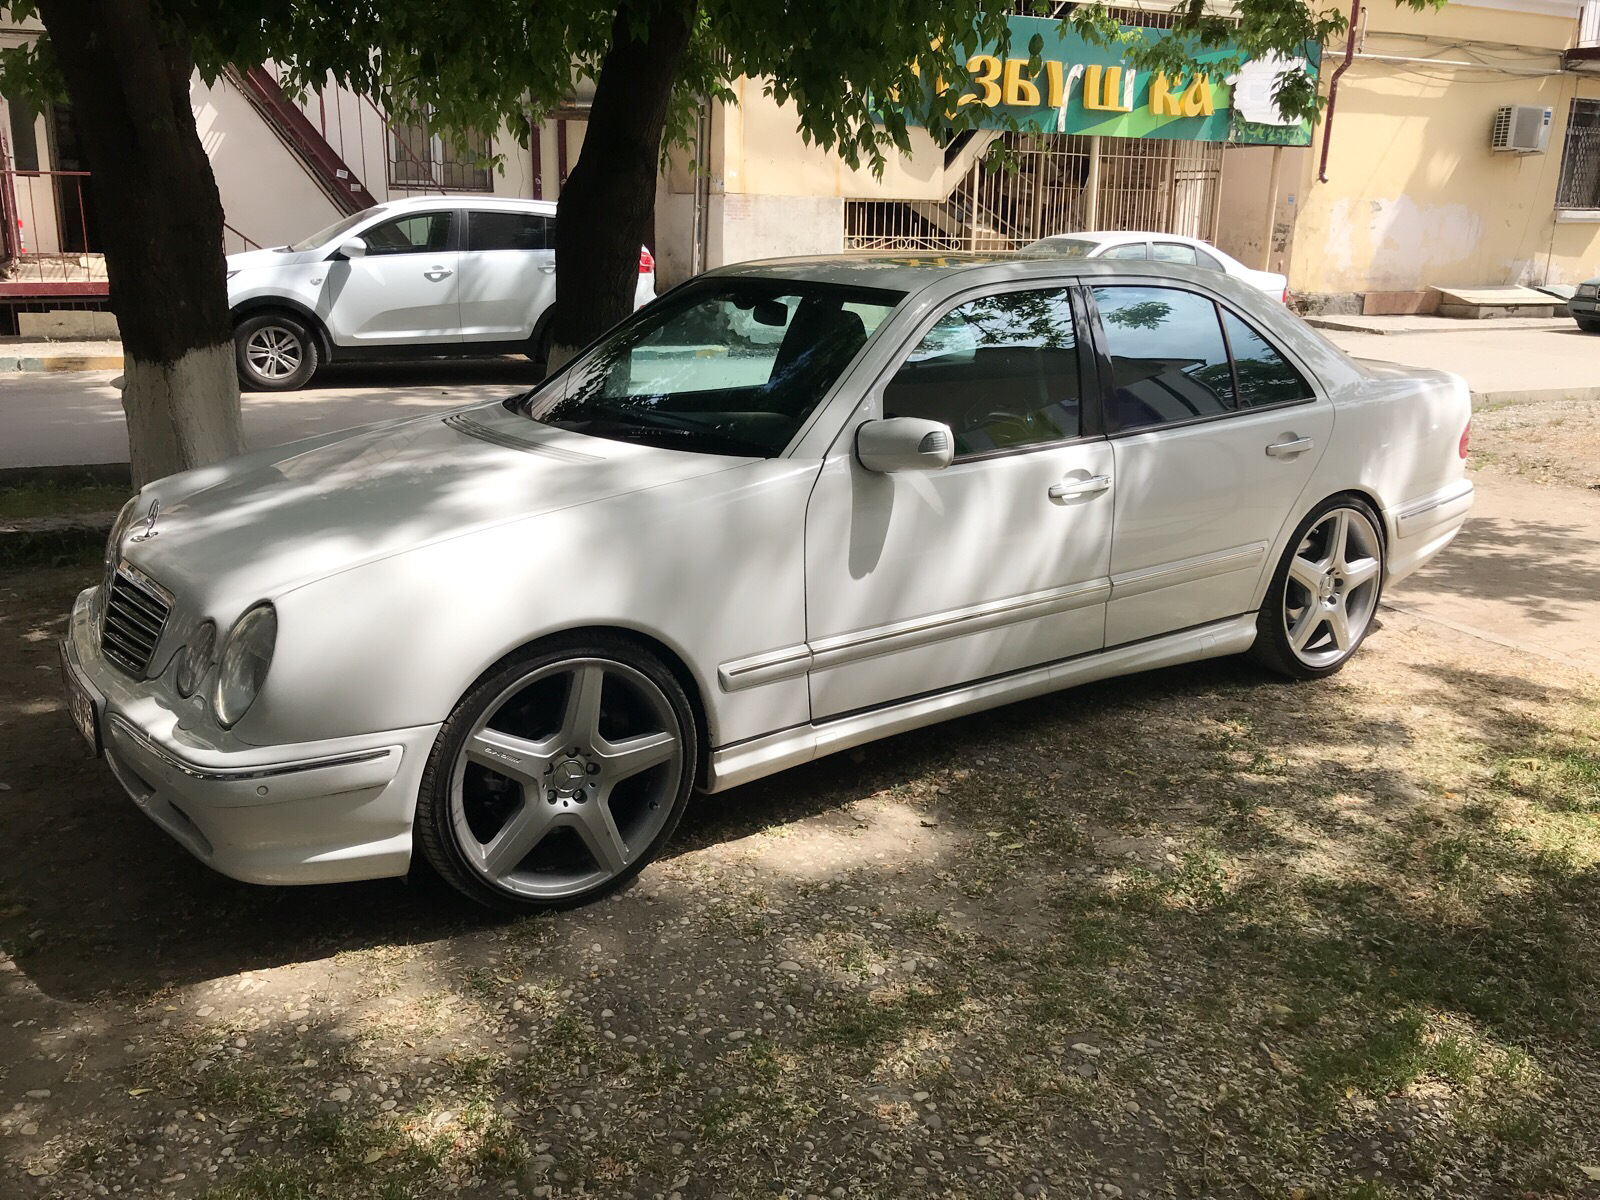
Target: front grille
x=136, y=612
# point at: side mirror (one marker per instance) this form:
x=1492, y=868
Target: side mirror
x=905, y=444
x=354, y=248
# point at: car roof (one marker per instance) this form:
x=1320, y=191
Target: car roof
x=467, y=200
x=911, y=273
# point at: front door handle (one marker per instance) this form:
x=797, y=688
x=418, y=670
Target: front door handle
x=550, y=270
x=1289, y=447
x=438, y=273
x=1091, y=486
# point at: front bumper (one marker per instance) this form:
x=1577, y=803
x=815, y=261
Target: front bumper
x=1584, y=306
x=317, y=812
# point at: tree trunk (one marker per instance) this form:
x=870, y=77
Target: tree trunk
x=160, y=221
x=610, y=195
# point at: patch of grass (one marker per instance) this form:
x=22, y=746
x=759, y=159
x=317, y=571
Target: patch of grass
x=51, y=498
x=886, y=1017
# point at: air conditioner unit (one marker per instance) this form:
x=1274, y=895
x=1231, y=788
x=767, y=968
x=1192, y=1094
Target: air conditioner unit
x=1521, y=129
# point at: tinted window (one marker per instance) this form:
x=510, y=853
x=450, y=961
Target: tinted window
x=1265, y=377
x=1001, y=372
x=729, y=366
x=510, y=231
x=415, y=234
x=1127, y=250
x=1168, y=359
x=1173, y=252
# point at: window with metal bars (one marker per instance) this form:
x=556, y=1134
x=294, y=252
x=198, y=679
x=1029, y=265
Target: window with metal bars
x=1580, y=157
x=422, y=158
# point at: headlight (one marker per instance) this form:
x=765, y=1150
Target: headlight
x=230, y=274
x=242, y=668
x=1589, y=289
x=196, y=657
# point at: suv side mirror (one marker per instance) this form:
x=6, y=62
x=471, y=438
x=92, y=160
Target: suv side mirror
x=905, y=444
x=354, y=248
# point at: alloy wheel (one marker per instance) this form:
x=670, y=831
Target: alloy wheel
x=1332, y=588
x=273, y=352
x=566, y=778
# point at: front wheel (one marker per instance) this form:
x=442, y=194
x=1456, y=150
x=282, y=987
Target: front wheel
x=1324, y=593
x=1588, y=324
x=559, y=775
x=274, y=353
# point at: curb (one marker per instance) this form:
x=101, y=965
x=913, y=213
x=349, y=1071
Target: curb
x=53, y=541
x=63, y=362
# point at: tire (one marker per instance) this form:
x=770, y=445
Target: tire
x=1588, y=324
x=559, y=775
x=274, y=352
x=1324, y=594
x=539, y=344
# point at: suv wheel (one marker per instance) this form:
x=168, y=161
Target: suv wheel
x=275, y=352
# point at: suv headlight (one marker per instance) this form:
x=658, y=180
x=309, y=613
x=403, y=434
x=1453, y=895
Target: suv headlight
x=242, y=669
x=195, y=658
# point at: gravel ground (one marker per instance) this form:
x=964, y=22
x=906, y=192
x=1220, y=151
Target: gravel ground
x=1549, y=441
x=1194, y=933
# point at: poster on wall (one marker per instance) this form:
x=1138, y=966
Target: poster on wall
x=1088, y=89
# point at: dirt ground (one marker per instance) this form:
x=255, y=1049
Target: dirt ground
x=1194, y=933
x=1547, y=441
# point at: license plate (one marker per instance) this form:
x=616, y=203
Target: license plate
x=81, y=706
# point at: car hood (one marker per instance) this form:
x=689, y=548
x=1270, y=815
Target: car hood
x=250, y=259
x=263, y=524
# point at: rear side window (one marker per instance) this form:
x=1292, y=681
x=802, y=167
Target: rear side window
x=1265, y=376
x=420, y=233
x=510, y=231
x=1127, y=250
x=1001, y=371
x=1168, y=360
x=1174, y=252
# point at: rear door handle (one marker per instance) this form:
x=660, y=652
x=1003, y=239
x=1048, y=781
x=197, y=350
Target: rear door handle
x=439, y=273
x=1290, y=447
x=1091, y=486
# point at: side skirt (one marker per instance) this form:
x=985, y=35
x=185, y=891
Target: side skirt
x=745, y=761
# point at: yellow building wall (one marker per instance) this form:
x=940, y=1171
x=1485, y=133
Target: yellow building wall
x=1414, y=196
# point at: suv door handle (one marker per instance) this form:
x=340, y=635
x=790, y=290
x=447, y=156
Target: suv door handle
x=550, y=270
x=438, y=273
x=1290, y=447
x=1091, y=486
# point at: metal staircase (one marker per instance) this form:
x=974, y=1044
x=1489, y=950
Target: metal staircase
x=322, y=163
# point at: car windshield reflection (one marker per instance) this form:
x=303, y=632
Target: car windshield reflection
x=731, y=366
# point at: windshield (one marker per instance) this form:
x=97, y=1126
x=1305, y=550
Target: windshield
x=323, y=237
x=724, y=366
x=1062, y=247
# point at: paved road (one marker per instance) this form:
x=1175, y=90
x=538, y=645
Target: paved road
x=72, y=418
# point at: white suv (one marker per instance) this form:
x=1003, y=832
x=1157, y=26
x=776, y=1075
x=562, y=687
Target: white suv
x=428, y=276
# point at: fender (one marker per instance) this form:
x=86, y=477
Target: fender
x=256, y=304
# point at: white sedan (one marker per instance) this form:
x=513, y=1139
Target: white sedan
x=1162, y=248
x=787, y=509
x=425, y=277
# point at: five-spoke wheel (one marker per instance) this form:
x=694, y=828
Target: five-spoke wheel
x=559, y=775
x=1325, y=592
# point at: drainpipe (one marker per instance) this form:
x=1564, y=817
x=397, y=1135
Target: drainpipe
x=1333, y=89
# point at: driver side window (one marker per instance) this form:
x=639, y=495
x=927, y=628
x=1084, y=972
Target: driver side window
x=421, y=233
x=1001, y=371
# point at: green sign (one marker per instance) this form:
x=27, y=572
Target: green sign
x=1084, y=88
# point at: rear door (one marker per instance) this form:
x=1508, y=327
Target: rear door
x=508, y=273
x=403, y=291
x=1215, y=434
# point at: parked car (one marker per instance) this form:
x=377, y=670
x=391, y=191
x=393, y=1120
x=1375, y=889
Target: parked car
x=428, y=276
x=1585, y=305
x=1163, y=248
x=514, y=638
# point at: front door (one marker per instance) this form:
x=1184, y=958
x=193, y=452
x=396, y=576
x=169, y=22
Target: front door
x=403, y=291
x=918, y=581
x=1215, y=435
x=508, y=273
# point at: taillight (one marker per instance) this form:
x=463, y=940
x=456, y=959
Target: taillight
x=647, y=263
x=1284, y=299
x=1465, y=434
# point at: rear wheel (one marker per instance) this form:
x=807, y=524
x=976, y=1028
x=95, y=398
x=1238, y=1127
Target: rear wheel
x=1324, y=593
x=559, y=775
x=274, y=352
